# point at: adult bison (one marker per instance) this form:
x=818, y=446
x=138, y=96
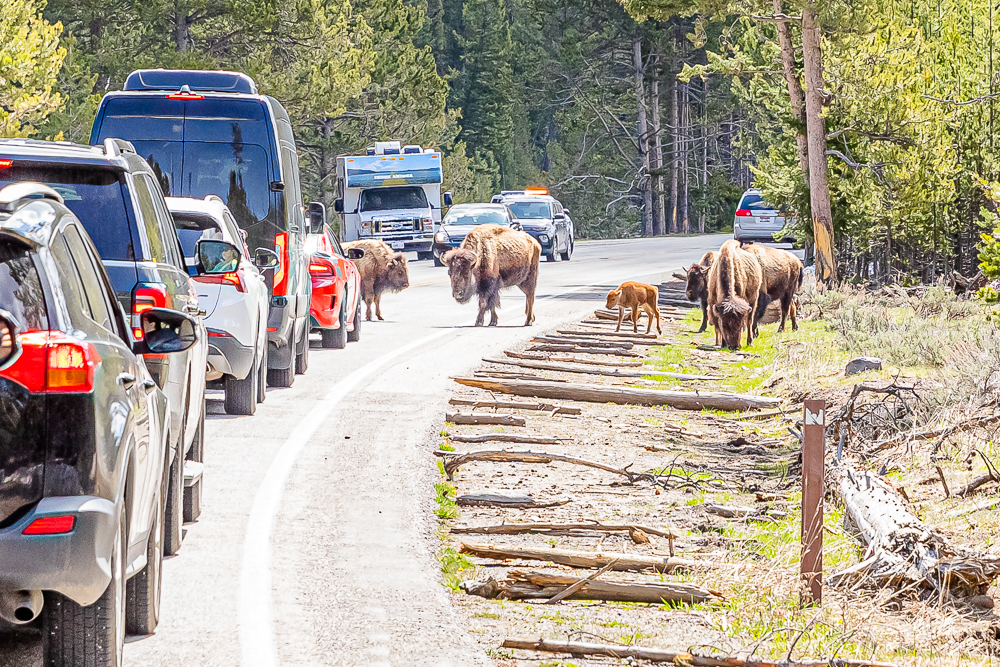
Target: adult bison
x=491, y=258
x=734, y=285
x=697, y=285
x=782, y=273
x=382, y=270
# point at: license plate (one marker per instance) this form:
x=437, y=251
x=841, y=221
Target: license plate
x=397, y=245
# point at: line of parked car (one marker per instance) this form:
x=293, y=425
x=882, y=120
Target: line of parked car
x=172, y=255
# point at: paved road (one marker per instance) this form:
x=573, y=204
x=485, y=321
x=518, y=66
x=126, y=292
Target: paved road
x=317, y=538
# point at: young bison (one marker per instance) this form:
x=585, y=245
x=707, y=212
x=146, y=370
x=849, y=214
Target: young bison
x=382, y=269
x=782, y=272
x=697, y=284
x=491, y=258
x=734, y=285
x=637, y=296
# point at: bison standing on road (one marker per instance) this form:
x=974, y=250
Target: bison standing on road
x=734, y=285
x=782, y=272
x=491, y=258
x=382, y=269
x=697, y=285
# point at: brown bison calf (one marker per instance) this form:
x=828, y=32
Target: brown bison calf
x=782, y=273
x=734, y=285
x=491, y=258
x=637, y=296
x=697, y=285
x=382, y=270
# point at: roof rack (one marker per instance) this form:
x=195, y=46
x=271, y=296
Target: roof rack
x=196, y=80
x=12, y=195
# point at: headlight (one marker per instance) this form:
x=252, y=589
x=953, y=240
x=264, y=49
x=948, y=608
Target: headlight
x=544, y=238
x=441, y=237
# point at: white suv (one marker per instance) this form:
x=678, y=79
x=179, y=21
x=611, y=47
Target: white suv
x=235, y=303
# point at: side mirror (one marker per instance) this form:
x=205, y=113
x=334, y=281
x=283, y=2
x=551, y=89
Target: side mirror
x=165, y=331
x=338, y=205
x=10, y=346
x=265, y=258
x=447, y=199
x=216, y=257
x=317, y=217
x=355, y=253
x=515, y=225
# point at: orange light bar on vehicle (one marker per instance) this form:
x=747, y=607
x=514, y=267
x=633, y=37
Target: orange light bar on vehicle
x=536, y=191
x=51, y=525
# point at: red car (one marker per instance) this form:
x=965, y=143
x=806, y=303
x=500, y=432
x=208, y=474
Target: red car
x=335, y=310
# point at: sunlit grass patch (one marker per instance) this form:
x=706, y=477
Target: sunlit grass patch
x=453, y=564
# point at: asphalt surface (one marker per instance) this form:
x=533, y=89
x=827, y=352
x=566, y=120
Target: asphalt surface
x=317, y=538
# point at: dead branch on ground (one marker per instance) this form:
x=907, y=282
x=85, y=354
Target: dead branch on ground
x=531, y=585
x=582, y=559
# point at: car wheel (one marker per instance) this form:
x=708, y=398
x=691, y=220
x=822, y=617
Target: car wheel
x=553, y=257
x=336, y=338
x=302, y=359
x=241, y=395
x=355, y=336
x=142, y=613
x=281, y=377
x=74, y=635
x=174, y=513
x=437, y=261
x=262, y=376
x=429, y=254
x=568, y=255
x=192, y=493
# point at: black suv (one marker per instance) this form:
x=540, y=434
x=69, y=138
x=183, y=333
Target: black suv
x=84, y=453
x=116, y=196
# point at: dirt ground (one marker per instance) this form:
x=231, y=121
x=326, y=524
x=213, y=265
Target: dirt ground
x=700, y=459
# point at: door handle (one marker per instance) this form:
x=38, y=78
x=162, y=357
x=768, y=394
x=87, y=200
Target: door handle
x=126, y=380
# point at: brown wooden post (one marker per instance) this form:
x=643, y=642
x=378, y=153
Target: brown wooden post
x=813, y=442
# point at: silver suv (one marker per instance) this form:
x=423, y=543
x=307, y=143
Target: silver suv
x=757, y=220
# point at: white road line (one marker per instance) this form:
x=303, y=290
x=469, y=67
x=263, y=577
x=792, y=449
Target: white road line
x=255, y=599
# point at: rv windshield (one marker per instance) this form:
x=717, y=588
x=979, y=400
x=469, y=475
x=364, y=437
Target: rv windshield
x=386, y=199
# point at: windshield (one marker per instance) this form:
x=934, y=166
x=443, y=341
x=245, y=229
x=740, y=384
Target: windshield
x=386, y=199
x=475, y=216
x=531, y=210
x=94, y=195
x=237, y=172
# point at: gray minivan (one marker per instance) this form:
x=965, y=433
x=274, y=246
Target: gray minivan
x=757, y=220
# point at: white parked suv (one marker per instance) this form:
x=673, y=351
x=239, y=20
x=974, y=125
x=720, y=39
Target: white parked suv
x=235, y=303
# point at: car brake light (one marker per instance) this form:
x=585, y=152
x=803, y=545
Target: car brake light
x=185, y=96
x=51, y=361
x=4, y=164
x=281, y=273
x=743, y=213
x=232, y=278
x=51, y=525
x=320, y=269
x=146, y=296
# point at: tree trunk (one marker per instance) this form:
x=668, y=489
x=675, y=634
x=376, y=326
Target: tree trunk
x=659, y=219
x=645, y=183
x=181, y=28
x=795, y=95
x=686, y=158
x=675, y=145
x=819, y=187
x=704, y=157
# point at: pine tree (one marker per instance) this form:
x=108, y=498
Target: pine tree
x=31, y=60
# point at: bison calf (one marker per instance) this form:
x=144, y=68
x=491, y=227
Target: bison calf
x=782, y=273
x=382, y=270
x=734, y=285
x=491, y=258
x=636, y=296
x=697, y=285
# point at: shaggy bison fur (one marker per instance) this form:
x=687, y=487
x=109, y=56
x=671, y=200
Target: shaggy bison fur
x=734, y=285
x=782, y=272
x=382, y=270
x=491, y=258
x=697, y=285
x=638, y=297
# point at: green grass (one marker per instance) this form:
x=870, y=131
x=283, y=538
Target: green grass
x=453, y=564
x=445, y=447
x=445, y=498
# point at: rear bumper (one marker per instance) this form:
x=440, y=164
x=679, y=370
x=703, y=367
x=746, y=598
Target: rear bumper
x=228, y=356
x=758, y=234
x=324, y=309
x=75, y=564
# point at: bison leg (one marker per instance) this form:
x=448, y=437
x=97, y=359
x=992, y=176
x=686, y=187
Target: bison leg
x=493, y=317
x=528, y=287
x=635, y=318
x=621, y=316
x=368, y=308
x=378, y=306
x=704, y=315
x=750, y=318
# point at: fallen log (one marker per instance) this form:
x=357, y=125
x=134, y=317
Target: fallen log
x=582, y=649
x=514, y=405
x=902, y=550
x=517, y=502
x=573, y=360
x=736, y=512
x=565, y=340
x=595, y=341
x=561, y=529
x=480, y=419
x=530, y=585
x=513, y=375
x=581, y=559
x=595, y=393
x=508, y=437
x=454, y=460
x=976, y=482
x=607, y=372
x=634, y=337
x=581, y=349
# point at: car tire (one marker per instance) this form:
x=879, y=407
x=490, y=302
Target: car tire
x=142, y=613
x=355, y=336
x=174, y=512
x=437, y=261
x=302, y=359
x=281, y=377
x=553, y=257
x=241, y=395
x=192, y=494
x=429, y=254
x=568, y=255
x=92, y=636
x=336, y=339
x=262, y=376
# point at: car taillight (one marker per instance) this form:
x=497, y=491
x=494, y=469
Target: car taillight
x=281, y=273
x=743, y=213
x=51, y=361
x=146, y=296
x=4, y=164
x=233, y=278
x=320, y=269
x=185, y=96
x=51, y=525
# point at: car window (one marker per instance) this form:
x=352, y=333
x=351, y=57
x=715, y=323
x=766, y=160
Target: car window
x=335, y=243
x=80, y=314
x=93, y=286
x=755, y=203
x=475, y=216
x=157, y=251
x=96, y=198
x=21, y=292
x=237, y=172
x=237, y=235
x=168, y=233
x=529, y=210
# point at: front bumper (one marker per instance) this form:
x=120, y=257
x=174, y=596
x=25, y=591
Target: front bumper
x=549, y=241
x=228, y=356
x=75, y=564
x=406, y=242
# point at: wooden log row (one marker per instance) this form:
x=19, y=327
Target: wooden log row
x=606, y=372
x=509, y=437
x=581, y=349
x=474, y=419
x=453, y=461
x=573, y=360
x=565, y=340
x=619, y=562
x=516, y=405
x=513, y=502
x=529, y=585
x=561, y=529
